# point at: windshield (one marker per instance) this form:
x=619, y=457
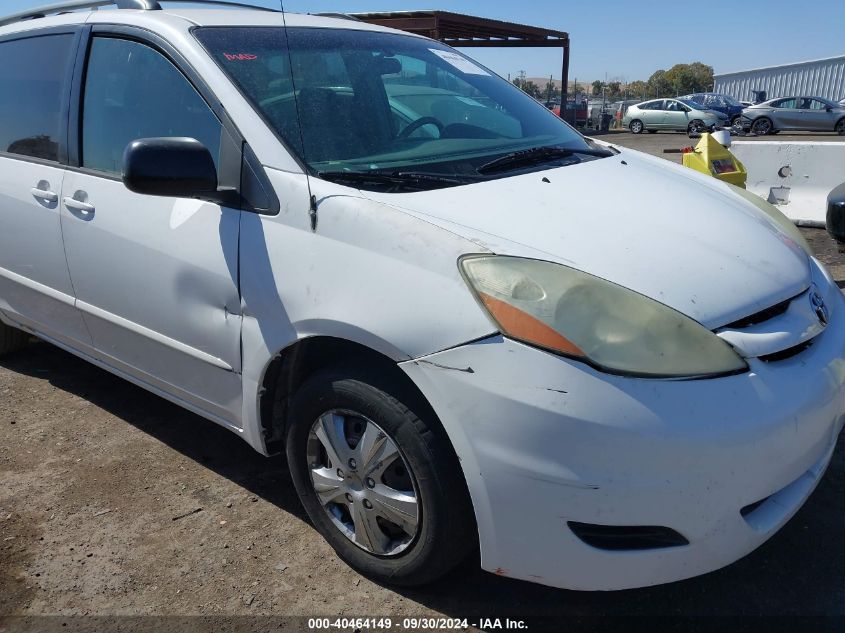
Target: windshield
x=691, y=104
x=361, y=100
x=731, y=101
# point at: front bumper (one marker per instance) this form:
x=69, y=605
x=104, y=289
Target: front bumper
x=543, y=441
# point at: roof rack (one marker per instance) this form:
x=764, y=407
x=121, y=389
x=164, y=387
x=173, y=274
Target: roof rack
x=145, y=5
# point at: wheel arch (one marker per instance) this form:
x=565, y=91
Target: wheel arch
x=289, y=368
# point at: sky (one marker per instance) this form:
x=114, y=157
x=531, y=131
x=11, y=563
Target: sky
x=627, y=39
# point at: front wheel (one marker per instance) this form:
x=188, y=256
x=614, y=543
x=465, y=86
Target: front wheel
x=762, y=127
x=636, y=127
x=11, y=339
x=696, y=127
x=840, y=127
x=378, y=477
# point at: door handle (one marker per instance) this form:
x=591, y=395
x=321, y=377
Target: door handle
x=78, y=205
x=42, y=192
x=46, y=196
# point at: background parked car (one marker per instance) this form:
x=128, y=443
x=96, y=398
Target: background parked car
x=719, y=102
x=678, y=115
x=811, y=114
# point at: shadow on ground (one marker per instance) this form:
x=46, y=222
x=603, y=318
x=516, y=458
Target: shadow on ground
x=800, y=571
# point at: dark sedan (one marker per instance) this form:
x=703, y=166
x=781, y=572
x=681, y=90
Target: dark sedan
x=718, y=102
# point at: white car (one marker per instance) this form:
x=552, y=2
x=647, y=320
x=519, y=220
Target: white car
x=473, y=329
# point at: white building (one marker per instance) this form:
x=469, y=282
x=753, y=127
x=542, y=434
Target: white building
x=819, y=78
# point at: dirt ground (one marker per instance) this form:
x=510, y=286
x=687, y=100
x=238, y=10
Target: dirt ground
x=114, y=502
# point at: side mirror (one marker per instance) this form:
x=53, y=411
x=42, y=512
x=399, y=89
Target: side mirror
x=389, y=66
x=173, y=167
x=828, y=108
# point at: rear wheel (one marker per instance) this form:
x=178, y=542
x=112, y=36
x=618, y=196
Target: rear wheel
x=636, y=127
x=762, y=126
x=840, y=127
x=11, y=339
x=378, y=476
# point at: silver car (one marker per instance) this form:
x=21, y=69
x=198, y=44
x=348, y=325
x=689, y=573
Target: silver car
x=679, y=115
x=810, y=114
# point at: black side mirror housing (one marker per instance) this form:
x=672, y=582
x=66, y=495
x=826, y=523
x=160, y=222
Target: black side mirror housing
x=835, y=221
x=175, y=167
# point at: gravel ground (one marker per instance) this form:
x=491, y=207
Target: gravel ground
x=114, y=502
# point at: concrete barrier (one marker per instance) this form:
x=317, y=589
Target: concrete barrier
x=794, y=176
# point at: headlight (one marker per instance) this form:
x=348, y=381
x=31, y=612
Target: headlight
x=576, y=314
x=784, y=223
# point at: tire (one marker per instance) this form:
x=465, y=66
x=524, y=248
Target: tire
x=349, y=401
x=736, y=121
x=839, y=128
x=696, y=126
x=11, y=339
x=762, y=126
x=636, y=126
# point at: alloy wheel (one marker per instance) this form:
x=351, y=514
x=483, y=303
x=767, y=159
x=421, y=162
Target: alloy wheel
x=762, y=127
x=696, y=127
x=363, y=482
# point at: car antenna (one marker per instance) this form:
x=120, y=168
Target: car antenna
x=312, y=208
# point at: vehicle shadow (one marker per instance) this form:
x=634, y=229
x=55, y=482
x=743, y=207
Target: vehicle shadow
x=193, y=436
x=799, y=572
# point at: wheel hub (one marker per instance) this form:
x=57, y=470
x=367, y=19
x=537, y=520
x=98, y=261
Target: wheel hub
x=363, y=482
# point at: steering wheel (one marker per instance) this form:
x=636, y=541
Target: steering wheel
x=416, y=125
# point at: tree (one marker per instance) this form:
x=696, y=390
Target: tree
x=682, y=79
x=597, y=88
x=614, y=90
x=638, y=90
x=703, y=76
x=659, y=85
x=528, y=87
x=551, y=91
x=532, y=89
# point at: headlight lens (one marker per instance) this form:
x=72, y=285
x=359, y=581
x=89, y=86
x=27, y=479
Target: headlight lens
x=576, y=314
x=784, y=223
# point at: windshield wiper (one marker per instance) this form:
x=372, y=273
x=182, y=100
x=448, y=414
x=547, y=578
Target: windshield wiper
x=402, y=179
x=538, y=155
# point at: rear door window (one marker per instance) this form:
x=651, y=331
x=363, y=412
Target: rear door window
x=33, y=83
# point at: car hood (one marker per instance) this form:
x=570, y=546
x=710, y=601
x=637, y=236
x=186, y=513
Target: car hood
x=657, y=228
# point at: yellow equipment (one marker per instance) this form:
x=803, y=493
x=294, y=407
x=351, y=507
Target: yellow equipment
x=712, y=158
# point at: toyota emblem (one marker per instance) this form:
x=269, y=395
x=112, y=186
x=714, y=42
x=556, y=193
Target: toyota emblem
x=819, y=307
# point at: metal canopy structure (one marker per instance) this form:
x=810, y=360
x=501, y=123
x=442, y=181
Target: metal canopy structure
x=469, y=31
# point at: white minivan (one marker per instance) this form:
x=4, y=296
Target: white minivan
x=466, y=325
